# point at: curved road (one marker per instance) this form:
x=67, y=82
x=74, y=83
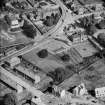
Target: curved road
x=66, y=16
x=58, y=25
x=60, y=22
x=46, y=36
x=26, y=50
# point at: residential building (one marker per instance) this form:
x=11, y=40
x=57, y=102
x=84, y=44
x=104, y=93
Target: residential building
x=48, y=9
x=14, y=61
x=78, y=37
x=13, y=23
x=80, y=90
x=100, y=92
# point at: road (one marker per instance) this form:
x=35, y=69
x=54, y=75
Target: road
x=65, y=19
x=28, y=20
x=19, y=81
x=66, y=16
x=38, y=93
x=37, y=44
x=24, y=50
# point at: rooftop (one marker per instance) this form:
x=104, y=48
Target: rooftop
x=90, y=1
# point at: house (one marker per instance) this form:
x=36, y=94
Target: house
x=100, y=92
x=80, y=90
x=13, y=23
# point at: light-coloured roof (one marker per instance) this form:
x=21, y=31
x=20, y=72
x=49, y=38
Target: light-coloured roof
x=86, y=49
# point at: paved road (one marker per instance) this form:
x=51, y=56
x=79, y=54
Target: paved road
x=38, y=93
x=44, y=40
x=24, y=50
x=19, y=81
x=60, y=22
x=66, y=17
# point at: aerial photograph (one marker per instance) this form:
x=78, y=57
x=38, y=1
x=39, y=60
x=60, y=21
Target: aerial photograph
x=52, y=52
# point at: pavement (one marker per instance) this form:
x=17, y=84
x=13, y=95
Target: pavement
x=64, y=20
x=18, y=80
x=37, y=44
x=57, y=30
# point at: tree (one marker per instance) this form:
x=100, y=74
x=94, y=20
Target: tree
x=92, y=92
x=56, y=18
x=91, y=29
x=98, y=54
x=65, y=58
x=29, y=30
x=10, y=99
x=70, y=67
x=101, y=39
x=58, y=75
x=3, y=26
x=48, y=21
x=101, y=24
x=28, y=16
x=43, y=53
x=51, y=20
x=2, y=3
x=103, y=4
